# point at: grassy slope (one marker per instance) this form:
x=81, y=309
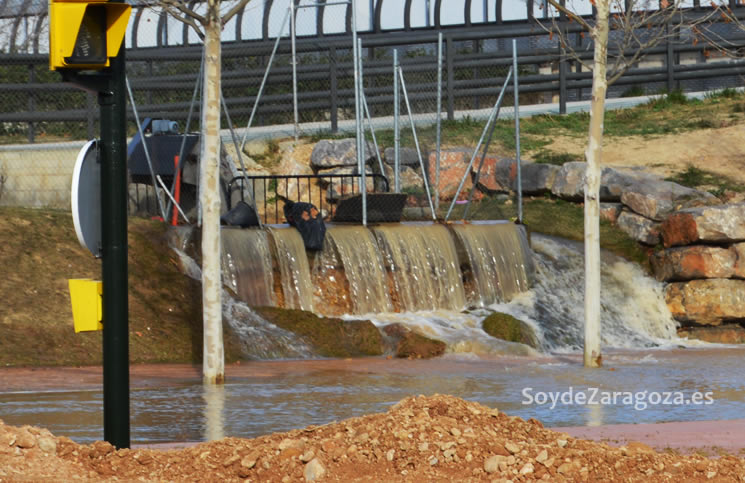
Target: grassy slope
x=39, y=252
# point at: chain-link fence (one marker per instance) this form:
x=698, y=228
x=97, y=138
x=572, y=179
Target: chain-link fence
x=44, y=122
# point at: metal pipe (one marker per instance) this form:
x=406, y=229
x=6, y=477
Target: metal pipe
x=517, y=134
x=492, y=118
x=361, y=143
x=186, y=130
x=238, y=152
x=439, y=122
x=483, y=153
x=416, y=142
x=144, y=148
x=396, y=131
x=294, y=71
x=358, y=136
x=263, y=81
x=168, y=193
x=369, y=118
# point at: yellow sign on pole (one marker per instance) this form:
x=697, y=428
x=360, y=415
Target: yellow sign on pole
x=85, y=295
x=85, y=34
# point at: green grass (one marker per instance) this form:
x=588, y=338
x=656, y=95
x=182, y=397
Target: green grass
x=716, y=184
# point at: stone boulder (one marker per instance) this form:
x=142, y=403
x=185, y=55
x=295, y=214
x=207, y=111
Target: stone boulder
x=639, y=228
x=712, y=224
x=537, y=178
x=487, y=181
x=693, y=262
x=610, y=211
x=739, y=249
x=334, y=153
x=657, y=199
x=723, y=334
x=408, y=177
x=407, y=156
x=707, y=302
x=411, y=345
x=570, y=181
x=329, y=336
x=453, y=164
x=506, y=327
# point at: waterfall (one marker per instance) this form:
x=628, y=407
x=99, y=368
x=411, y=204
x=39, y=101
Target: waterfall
x=499, y=261
x=349, y=275
x=247, y=265
x=633, y=309
x=423, y=264
x=294, y=269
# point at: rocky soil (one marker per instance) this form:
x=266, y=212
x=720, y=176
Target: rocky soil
x=437, y=438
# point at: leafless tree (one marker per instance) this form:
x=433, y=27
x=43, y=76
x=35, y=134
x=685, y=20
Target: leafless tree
x=621, y=32
x=207, y=20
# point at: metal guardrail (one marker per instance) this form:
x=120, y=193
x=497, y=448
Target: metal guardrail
x=328, y=195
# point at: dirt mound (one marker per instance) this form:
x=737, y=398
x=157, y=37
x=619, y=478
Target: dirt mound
x=435, y=438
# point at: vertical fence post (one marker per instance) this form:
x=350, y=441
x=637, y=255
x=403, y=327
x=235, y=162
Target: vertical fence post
x=449, y=47
x=670, y=60
x=562, y=64
x=356, y=51
x=517, y=133
x=90, y=105
x=396, y=130
x=334, y=87
x=31, y=102
x=439, y=122
x=294, y=70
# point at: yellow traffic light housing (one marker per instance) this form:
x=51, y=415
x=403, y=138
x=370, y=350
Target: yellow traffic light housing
x=84, y=35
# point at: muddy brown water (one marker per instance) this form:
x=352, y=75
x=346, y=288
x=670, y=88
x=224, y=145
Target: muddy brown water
x=170, y=404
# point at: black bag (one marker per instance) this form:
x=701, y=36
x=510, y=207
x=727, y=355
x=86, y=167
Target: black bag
x=306, y=218
x=242, y=215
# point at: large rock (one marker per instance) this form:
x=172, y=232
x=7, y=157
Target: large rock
x=331, y=337
x=408, y=177
x=453, y=164
x=488, y=175
x=570, y=181
x=406, y=156
x=707, y=302
x=714, y=224
x=506, y=327
x=657, y=199
x=610, y=211
x=639, y=228
x=723, y=334
x=739, y=249
x=409, y=344
x=537, y=178
x=693, y=262
x=334, y=153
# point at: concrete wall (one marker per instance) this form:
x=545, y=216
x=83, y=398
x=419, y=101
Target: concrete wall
x=39, y=175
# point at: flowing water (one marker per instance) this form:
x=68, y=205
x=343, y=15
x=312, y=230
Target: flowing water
x=293, y=268
x=169, y=403
x=423, y=263
x=247, y=266
x=350, y=252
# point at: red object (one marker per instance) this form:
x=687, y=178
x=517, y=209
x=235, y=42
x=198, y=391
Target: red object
x=177, y=192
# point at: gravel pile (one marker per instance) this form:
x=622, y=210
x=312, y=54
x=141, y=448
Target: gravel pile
x=436, y=438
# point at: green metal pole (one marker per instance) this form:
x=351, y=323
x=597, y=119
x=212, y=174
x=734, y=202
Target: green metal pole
x=114, y=240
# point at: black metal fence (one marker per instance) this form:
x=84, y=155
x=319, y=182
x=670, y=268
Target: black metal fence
x=36, y=105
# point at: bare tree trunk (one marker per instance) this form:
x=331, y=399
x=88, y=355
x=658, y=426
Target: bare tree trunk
x=213, y=362
x=592, y=357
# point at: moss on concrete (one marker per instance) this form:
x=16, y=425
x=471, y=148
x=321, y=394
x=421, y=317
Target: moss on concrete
x=329, y=336
x=507, y=327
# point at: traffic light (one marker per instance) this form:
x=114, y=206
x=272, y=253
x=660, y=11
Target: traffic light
x=85, y=34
